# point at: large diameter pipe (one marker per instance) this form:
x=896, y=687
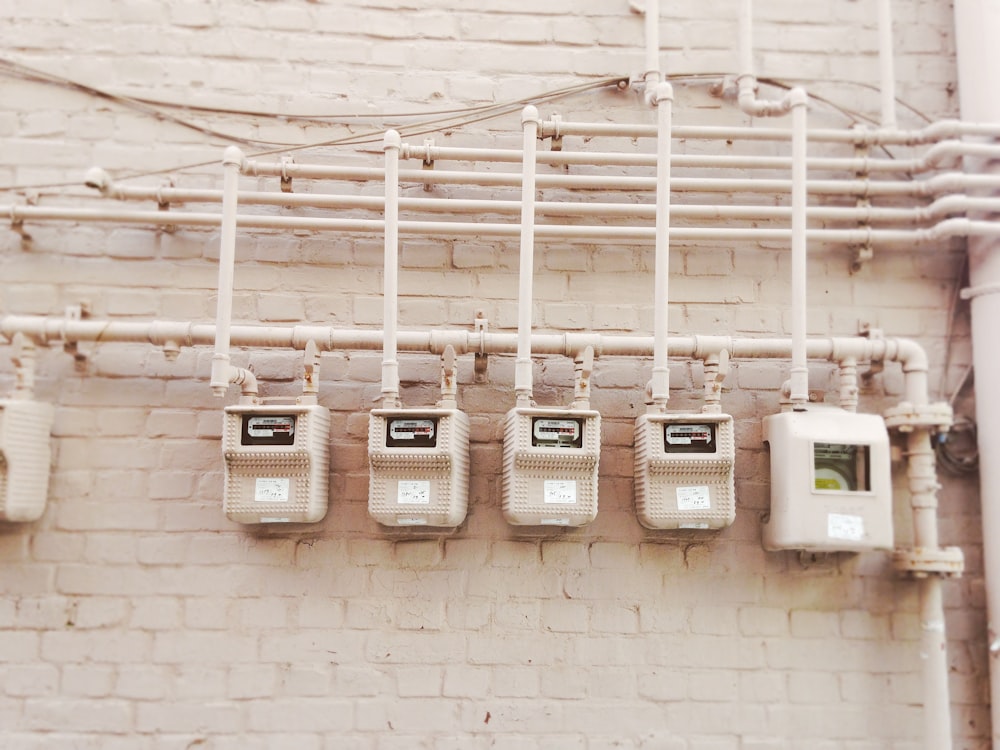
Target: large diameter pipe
x=923, y=485
x=799, y=371
x=390, y=292
x=522, y=366
x=977, y=28
x=232, y=161
x=660, y=384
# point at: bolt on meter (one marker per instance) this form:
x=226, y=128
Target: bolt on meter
x=277, y=463
x=684, y=471
x=551, y=459
x=419, y=466
x=25, y=455
x=831, y=484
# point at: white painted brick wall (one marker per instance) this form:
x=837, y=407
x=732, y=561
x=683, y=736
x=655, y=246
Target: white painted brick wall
x=136, y=616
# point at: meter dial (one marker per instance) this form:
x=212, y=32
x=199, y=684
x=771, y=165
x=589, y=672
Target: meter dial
x=558, y=433
x=269, y=429
x=411, y=433
x=689, y=438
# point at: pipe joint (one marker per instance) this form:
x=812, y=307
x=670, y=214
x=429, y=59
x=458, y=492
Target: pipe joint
x=908, y=417
x=233, y=156
x=391, y=140
x=663, y=91
x=530, y=114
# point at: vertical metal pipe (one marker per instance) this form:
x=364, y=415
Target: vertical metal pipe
x=887, y=71
x=390, y=272
x=232, y=161
x=921, y=472
x=522, y=366
x=977, y=28
x=660, y=385
x=799, y=372
x=652, y=75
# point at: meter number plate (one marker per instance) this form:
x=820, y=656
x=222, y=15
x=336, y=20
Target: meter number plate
x=270, y=429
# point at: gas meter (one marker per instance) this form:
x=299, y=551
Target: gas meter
x=550, y=462
x=831, y=484
x=25, y=456
x=419, y=466
x=684, y=471
x=277, y=459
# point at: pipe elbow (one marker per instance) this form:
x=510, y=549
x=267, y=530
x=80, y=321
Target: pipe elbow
x=797, y=97
x=529, y=114
x=662, y=92
x=911, y=356
x=97, y=179
x=233, y=156
x=391, y=140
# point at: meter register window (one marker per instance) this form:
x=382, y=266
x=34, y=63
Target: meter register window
x=841, y=467
x=271, y=429
x=547, y=432
x=411, y=433
x=689, y=438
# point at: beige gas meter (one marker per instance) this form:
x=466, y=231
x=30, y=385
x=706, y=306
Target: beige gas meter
x=419, y=466
x=550, y=463
x=25, y=456
x=277, y=462
x=684, y=471
x=831, y=483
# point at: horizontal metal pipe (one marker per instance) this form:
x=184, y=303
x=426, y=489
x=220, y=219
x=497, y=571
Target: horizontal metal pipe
x=858, y=136
x=937, y=154
x=860, y=214
x=950, y=182
x=957, y=227
x=46, y=330
x=429, y=153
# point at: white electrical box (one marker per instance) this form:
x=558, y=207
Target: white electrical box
x=831, y=483
x=684, y=471
x=25, y=458
x=550, y=464
x=419, y=466
x=277, y=463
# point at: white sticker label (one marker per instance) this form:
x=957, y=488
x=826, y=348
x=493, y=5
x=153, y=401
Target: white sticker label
x=699, y=525
x=560, y=491
x=268, y=519
x=411, y=521
x=554, y=522
x=413, y=492
x=841, y=526
x=693, y=498
x=271, y=489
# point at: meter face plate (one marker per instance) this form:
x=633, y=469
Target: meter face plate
x=549, y=432
x=840, y=467
x=269, y=429
x=689, y=438
x=411, y=433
